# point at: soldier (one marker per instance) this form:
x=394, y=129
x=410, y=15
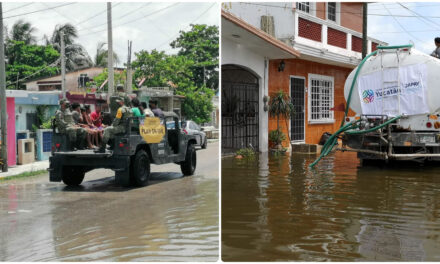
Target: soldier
x=118, y=125
x=66, y=125
x=119, y=93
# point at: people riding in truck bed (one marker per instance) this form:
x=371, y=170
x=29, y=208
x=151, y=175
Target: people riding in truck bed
x=118, y=125
x=66, y=125
x=78, y=119
x=156, y=110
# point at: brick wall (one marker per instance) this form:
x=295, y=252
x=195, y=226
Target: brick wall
x=336, y=38
x=351, y=16
x=308, y=29
x=356, y=44
x=374, y=46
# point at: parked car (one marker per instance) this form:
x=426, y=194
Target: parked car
x=191, y=128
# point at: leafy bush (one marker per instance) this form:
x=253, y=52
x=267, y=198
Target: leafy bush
x=276, y=136
x=246, y=152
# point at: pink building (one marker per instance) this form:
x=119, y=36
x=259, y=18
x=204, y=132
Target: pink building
x=10, y=111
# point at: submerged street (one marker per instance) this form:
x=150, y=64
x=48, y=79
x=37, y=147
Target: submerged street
x=175, y=218
x=277, y=209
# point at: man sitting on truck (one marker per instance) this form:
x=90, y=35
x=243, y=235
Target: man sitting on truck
x=66, y=125
x=436, y=52
x=118, y=125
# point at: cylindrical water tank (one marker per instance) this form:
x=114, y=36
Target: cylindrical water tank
x=388, y=59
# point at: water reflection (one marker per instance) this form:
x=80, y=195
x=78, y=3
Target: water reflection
x=275, y=208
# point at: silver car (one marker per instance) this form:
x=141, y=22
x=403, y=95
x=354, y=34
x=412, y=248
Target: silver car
x=191, y=128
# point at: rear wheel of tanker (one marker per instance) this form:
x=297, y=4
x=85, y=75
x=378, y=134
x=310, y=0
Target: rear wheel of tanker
x=188, y=166
x=72, y=176
x=140, y=174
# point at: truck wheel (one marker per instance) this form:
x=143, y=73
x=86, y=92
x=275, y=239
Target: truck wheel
x=141, y=169
x=205, y=143
x=188, y=166
x=72, y=176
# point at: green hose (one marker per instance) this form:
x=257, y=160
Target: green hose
x=332, y=141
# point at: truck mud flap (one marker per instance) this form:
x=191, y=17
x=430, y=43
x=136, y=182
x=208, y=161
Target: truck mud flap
x=54, y=169
x=122, y=173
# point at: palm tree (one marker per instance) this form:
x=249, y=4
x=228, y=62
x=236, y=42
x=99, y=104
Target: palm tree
x=76, y=54
x=22, y=31
x=101, y=57
x=280, y=106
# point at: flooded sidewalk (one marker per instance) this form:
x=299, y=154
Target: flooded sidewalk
x=277, y=209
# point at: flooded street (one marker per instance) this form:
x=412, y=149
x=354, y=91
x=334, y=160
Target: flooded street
x=277, y=209
x=175, y=218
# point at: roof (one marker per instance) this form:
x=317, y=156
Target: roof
x=255, y=38
x=76, y=70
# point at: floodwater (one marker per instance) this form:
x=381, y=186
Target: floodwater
x=277, y=209
x=175, y=218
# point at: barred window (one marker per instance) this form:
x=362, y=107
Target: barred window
x=331, y=11
x=321, y=99
x=303, y=6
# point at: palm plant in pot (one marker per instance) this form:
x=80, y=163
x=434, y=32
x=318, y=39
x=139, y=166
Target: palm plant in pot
x=280, y=105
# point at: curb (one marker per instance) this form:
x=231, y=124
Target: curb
x=35, y=166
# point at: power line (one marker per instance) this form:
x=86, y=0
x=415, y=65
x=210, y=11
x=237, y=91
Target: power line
x=30, y=75
x=203, y=13
x=22, y=14
x=422, y=18
x=96, y=15
x=119, y=17
x=12, y=9
x=412, y=31
x=397, y=21
x=134, y=20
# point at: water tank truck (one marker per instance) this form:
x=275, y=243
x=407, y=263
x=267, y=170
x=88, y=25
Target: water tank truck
x=395, y=93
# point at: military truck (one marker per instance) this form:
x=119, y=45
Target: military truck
x=130, y=156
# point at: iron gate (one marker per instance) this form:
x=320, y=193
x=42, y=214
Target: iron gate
x=297, y=93
x=240, y=114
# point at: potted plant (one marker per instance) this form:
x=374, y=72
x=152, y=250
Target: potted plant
x=280, y=105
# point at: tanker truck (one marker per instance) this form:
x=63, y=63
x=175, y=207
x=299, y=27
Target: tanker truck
x=395, y=94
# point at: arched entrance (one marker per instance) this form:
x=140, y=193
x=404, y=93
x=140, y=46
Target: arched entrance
x=240, y=104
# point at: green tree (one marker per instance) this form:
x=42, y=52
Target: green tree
x=280, y=105
x=120, y=78
x=201, y=45
x=23, y=31
x=101, y=58
x=161, y=70
x=76, y=55
x=30, y=61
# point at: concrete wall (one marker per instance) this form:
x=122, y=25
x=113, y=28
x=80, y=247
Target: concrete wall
x=235, y=54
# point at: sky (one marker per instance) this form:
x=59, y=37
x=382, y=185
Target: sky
x=148, y=25
x=421, y=31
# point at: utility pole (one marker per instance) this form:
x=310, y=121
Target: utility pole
x=3, y=117
x=63, y=65
x=129, y=89
x=364, y=30
x=111, y=79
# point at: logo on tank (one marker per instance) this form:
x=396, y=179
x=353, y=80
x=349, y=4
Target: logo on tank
x=368, y=96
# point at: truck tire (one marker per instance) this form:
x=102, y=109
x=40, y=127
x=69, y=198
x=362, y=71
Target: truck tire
x=205, y=143
x=141, y=169
x=188, y=166
x=72, y=176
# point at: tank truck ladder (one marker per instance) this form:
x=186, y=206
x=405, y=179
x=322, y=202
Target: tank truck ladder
x=390, y=82
x=352, y=126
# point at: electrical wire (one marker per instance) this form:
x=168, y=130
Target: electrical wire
x=134, y=20
x=403, y=28
x=40, y=10
x=12, y=9
x=203, y=13
x=30, y=75
x=422, y=18
x=96, y=15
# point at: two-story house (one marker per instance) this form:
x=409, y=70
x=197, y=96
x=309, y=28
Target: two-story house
x=327, y=42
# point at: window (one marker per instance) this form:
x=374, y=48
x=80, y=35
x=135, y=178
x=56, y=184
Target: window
x=321, y=98
x=331, y=11
x=303, y=6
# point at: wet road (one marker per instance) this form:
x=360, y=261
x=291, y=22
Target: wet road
x=276, y=209
x=175, y=218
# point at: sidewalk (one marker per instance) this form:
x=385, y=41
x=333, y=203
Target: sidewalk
x=19, y=169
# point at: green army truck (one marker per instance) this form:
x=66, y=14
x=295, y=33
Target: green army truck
x=130, y=157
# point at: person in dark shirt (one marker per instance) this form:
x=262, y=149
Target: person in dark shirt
x=436, y=52
x=156, y=110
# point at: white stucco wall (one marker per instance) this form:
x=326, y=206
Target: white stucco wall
x=284, y=19
x=233, y=53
